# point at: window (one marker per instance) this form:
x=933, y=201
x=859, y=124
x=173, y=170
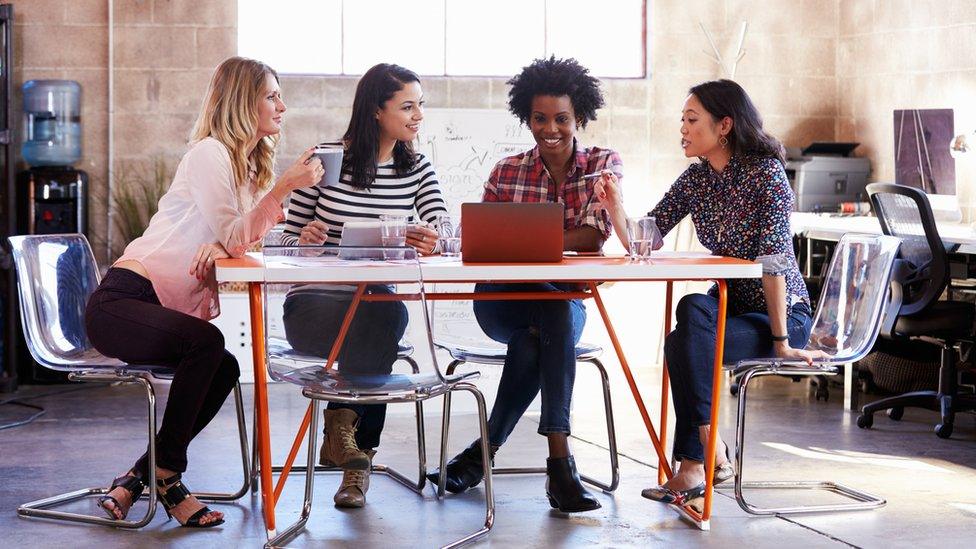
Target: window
x=443, y=37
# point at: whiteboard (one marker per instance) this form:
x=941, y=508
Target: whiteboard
x=463, y=146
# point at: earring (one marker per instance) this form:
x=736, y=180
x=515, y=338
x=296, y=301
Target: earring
x=723, y=141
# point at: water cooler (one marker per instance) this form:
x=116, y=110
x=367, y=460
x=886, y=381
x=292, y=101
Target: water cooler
x=51, y=195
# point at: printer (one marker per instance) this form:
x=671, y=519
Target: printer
x=824, y=174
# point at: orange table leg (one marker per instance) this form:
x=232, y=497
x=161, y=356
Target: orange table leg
x=333, y=353
x=717, y=371
x=661, y=477
x=261, y=402
x=630, y=380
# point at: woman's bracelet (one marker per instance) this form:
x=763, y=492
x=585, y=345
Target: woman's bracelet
x=781, y=338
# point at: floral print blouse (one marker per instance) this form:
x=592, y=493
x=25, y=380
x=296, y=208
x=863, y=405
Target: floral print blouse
x=742, y=212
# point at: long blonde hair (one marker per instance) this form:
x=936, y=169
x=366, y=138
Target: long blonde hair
x=229, y=115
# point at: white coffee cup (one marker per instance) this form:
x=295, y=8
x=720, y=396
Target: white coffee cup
x=330, y=154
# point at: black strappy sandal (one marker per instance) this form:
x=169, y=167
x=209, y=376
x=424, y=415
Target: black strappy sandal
x=131, y=484
x=175, y=493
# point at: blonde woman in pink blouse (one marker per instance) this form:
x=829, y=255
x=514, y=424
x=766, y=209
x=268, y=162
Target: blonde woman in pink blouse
x=154, y=304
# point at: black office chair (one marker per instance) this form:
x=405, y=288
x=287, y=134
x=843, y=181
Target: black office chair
x=905, y=212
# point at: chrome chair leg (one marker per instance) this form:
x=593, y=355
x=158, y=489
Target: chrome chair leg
x=42, y=508
x=611, y=433
x=611, y=438
x=862, y=500
x=445, y=433
x=242, y=432
x=486, y=464
x=254, y=453
x=298, y=526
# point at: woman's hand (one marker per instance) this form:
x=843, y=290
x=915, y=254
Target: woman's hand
x=783, y=350
x=305, y=172
x=313, y=234
x=203, y=261
x=422, y=238
x=608, y=193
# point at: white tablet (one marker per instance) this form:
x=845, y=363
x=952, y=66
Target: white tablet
x=360, y=233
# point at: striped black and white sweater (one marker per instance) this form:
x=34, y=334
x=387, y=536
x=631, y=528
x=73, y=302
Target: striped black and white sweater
x=415, y=194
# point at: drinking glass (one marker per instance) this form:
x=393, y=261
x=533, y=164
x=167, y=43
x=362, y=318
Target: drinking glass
x=393, y=235
x=642, y=233
x=449, y=235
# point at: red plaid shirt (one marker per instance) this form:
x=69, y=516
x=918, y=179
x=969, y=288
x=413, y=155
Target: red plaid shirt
x=524, y=178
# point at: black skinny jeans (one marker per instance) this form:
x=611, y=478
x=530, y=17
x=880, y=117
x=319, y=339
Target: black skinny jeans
x=125, y=320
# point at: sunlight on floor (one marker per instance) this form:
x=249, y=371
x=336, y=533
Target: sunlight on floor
x=965, y=507
x=844, y=456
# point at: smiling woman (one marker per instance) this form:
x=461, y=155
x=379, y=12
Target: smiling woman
x=153, y=305
x=381, y=174
x=555, y=98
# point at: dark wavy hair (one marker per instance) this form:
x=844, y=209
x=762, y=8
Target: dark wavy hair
x=723, y=98
x=362, y=137
x=555, y=77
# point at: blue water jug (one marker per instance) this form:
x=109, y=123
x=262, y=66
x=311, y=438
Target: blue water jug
x=52, y=122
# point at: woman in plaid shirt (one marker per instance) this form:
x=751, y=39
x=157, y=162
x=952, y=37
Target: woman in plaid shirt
x=555, y=98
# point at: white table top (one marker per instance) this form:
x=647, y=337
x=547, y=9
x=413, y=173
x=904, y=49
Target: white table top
x=832, y=227
x=662, y=266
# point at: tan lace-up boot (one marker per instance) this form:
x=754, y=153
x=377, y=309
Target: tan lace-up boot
x=352, y=492
x=339, y=448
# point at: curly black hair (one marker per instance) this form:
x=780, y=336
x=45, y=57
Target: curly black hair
x=555, y=77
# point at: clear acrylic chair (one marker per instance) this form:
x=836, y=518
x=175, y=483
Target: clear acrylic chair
x=857, y=297
x=56, y=274
x=466, y=343
x=332, y=385
x=278, y=345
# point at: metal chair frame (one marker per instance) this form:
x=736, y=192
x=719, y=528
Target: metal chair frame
x=747, y=370
x=591, y=357
x=445, y=385
x=98, y=368
x=404, y=355
x=585, y=353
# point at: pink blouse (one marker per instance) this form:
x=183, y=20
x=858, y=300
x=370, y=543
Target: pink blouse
x=203, y=205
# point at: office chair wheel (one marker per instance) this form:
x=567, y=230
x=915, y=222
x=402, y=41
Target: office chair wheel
x=895, y=413
x=823, y=393
x=865, y=421
x=734, y=389
x=943, y=430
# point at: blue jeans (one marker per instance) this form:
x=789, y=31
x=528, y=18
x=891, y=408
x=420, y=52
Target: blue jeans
x=690, y=354
x=541, y=338
x=312, y=322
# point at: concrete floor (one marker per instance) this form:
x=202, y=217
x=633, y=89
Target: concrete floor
x=89, y=436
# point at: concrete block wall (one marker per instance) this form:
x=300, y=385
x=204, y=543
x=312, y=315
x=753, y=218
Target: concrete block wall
x=903, y=54
x=817, y=70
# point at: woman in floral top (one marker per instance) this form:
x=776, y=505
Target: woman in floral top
x=740, y=202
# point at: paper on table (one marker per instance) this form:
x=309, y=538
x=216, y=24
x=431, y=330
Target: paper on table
x=658, y=254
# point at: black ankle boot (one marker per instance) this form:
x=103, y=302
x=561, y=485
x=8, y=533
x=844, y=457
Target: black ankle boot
x=564, y=488
x=465, y=470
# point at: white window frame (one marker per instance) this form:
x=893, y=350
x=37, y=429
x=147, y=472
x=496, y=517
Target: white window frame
x=644, y=73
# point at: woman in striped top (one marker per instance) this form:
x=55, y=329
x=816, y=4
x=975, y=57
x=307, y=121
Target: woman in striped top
x=381, y=174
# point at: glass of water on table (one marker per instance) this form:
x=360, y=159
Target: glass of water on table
x=449, y=235
x=642, y=234
x=393, y=235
